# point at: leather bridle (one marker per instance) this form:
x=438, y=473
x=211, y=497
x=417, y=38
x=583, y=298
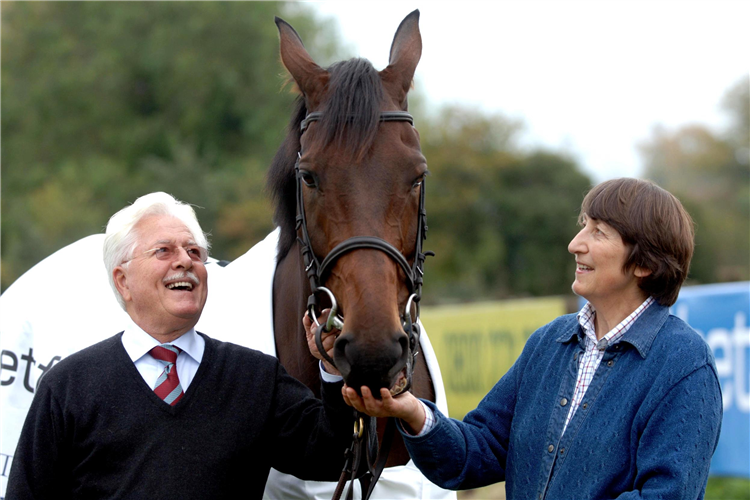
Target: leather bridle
x=318, y=271
x=364, y=442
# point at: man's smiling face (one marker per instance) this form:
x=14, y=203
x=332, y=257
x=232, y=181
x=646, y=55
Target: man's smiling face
x=164, y=284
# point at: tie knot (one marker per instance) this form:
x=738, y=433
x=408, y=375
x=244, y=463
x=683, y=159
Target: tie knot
x=165, y=352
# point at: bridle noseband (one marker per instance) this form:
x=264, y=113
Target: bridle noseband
x=318, y=271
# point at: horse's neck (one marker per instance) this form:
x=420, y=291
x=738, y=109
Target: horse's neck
x=289, y=301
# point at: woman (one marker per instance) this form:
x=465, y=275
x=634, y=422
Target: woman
x=621, y=400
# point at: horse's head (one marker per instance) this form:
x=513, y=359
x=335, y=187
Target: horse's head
x=359, y=173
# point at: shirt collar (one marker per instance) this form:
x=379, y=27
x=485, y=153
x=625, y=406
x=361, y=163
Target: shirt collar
x=641, y=334
x=138, y=343
x=586, y=317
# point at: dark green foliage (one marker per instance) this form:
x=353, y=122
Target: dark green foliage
x=710, y=174
x=500, y=219
x=105, y=101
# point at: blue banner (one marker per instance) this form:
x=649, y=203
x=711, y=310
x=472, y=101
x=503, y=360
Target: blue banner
x=720, y=313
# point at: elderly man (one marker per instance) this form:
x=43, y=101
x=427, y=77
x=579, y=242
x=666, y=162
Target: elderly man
x=160, y=410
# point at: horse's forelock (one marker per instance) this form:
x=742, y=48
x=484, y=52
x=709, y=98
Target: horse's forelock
x=352, y=107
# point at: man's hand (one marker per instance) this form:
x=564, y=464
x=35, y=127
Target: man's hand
x=326, y=338
x=404, y=406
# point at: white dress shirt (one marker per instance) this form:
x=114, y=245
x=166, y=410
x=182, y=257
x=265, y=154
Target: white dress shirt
x=138, y=343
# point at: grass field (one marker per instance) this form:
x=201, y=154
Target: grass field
x=718, y=488
x=727, y=488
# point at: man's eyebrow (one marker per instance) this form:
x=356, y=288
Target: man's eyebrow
x=172, y=242
x=167, y=241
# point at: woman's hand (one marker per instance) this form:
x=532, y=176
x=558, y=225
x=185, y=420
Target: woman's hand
x=404, y=406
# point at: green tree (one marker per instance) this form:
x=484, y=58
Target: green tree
x=500, y=218
x=710, y=174
x=105, y=101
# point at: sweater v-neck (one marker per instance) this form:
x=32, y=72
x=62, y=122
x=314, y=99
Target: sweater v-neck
x=122, y=358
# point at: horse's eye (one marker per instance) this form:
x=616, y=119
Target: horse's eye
x=418, y=182
x=308, y=179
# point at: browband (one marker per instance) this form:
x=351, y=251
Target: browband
x=385, y=116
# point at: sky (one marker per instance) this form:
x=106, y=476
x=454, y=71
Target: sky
x=588, y=78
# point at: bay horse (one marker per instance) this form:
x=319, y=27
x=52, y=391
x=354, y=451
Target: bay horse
x=349, y=178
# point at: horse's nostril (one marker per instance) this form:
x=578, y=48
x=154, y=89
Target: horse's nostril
x=339, y=355
x=339, y=347
x=404, y=341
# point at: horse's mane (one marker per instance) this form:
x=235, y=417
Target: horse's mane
x=349, y=124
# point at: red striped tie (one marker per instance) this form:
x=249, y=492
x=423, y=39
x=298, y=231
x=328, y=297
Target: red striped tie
x=168, y=384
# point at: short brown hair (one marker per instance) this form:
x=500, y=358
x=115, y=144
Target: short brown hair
x=655, y=226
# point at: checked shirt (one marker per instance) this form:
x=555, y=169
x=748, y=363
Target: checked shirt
x=592, y=356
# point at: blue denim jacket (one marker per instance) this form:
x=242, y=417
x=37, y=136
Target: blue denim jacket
x=646, y=428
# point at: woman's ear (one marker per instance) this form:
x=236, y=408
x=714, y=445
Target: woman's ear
x=642, y=272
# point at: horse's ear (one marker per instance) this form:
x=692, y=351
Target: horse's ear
x=310, y=78
x=406, y=50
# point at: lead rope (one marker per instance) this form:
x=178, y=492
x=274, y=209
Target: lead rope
x=385, y=448
x=364, y=441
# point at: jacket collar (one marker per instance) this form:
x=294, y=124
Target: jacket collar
x=641, y=335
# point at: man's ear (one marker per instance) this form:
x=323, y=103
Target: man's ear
x=642, y=272
x=121, y=282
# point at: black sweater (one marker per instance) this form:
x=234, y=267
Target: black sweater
x=96, y=430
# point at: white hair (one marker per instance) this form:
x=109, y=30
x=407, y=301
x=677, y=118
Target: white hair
x=121, y=238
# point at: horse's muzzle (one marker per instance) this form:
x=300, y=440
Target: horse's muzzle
x=385, y=365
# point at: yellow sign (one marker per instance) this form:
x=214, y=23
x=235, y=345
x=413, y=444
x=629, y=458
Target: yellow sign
x=477, y=343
